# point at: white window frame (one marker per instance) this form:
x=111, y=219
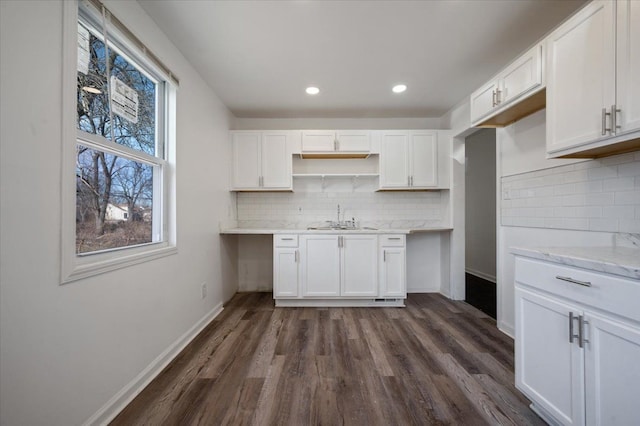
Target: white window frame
x=78, y=266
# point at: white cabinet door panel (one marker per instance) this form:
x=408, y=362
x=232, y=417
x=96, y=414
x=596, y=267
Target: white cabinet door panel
x=246, y=160
x=612, y=371
x=628, y=57
x=424, y=159
x=549, y=369
x=580, y=76
x=521, y=76
x=392, y=272
x=359, y=265
x=318, y=140
x=354, y=140
x=276, y=161
x=483, y=100
x=320, y=265
x=286, y=272
x=394, y=160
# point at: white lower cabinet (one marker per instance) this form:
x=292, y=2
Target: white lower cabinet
x=286, y=266
x=339, y=270
x=577, y=344
x=393, y=266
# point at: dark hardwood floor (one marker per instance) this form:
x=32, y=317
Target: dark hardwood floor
x=434, y=362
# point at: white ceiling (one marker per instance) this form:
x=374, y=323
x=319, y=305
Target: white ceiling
x=259, y=56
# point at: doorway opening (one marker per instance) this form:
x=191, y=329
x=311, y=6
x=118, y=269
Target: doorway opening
x=480, y=221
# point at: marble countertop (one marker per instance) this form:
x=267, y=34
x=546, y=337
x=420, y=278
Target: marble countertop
x=623, y=261
x=266, y=231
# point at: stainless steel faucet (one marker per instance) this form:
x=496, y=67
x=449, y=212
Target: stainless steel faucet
x=338, y=214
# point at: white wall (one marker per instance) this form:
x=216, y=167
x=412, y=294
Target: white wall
x=480, y=204
x=65, y=351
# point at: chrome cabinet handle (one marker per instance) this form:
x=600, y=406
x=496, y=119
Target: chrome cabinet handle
x=384, y=255
x=287, y=239
x=297, y=256
x=581, y=338
x=411, y=180
x=573, y=281
x=614, y=119
x=571, y=335
x=498, y=93
x=394, y=238
x=605, y=129
x=493, y=99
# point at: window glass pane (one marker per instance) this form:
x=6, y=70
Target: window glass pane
x=133, y=101
x=114, y=200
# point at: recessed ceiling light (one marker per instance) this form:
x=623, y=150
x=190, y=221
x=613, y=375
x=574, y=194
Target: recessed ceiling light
x=313, y=90
x=399, y=88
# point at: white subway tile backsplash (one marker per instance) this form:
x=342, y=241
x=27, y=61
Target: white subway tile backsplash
x=594, y=195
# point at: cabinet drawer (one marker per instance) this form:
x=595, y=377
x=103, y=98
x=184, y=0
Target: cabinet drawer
x=392, y=240
x=285, y=240
x=606, y=292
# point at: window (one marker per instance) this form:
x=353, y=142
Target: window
x=123, y=170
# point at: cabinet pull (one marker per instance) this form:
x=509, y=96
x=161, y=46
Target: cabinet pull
x=408, y=180
x=411, y=180
x=394, y=238
x=604, y=122
x=581, y=338
x=498, y=93
x=287, y=239
x=297, y=256
x=614, y=119
x=571, y=335
x=384, y=255
x=573, y=281
x=493, y=99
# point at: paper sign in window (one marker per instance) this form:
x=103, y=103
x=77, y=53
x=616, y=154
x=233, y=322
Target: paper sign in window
x=83, y=50
x=124, y=100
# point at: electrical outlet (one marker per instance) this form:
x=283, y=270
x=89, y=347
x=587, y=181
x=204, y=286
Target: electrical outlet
x=203, y=290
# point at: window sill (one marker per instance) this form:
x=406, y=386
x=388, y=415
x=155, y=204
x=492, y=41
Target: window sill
x=88, y=266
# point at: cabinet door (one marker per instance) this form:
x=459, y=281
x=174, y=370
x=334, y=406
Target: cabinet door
x=318, y=141
x=423, y=159
x=483, y=100
x=285, y=272
x=581, y=77
x=393, y=280
x=394, y=160
x=359, y=265
x=354, y=140
x=320, y=265
x=521, y=76
x=628, y=66
x=549, y=369
x=276, y=161
x=612, y=371
x=246, y=160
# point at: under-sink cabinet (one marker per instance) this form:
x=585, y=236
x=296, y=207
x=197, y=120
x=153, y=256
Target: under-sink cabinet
x=577, y=346
x=331, y=269
x=593, y=81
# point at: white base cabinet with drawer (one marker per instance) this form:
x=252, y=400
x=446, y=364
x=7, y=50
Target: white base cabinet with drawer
x=339, y=270
x=577, y=346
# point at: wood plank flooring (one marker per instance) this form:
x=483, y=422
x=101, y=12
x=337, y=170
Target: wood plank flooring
x=434, y=362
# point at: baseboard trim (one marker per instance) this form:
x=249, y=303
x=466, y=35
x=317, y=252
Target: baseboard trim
x=507, y=329
x=482, y=275
x=121, y=399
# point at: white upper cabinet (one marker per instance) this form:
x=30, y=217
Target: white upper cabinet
x=409, y=159
x=261, y=161
x=340, y=142
x=501, y=101
x=593, y=105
